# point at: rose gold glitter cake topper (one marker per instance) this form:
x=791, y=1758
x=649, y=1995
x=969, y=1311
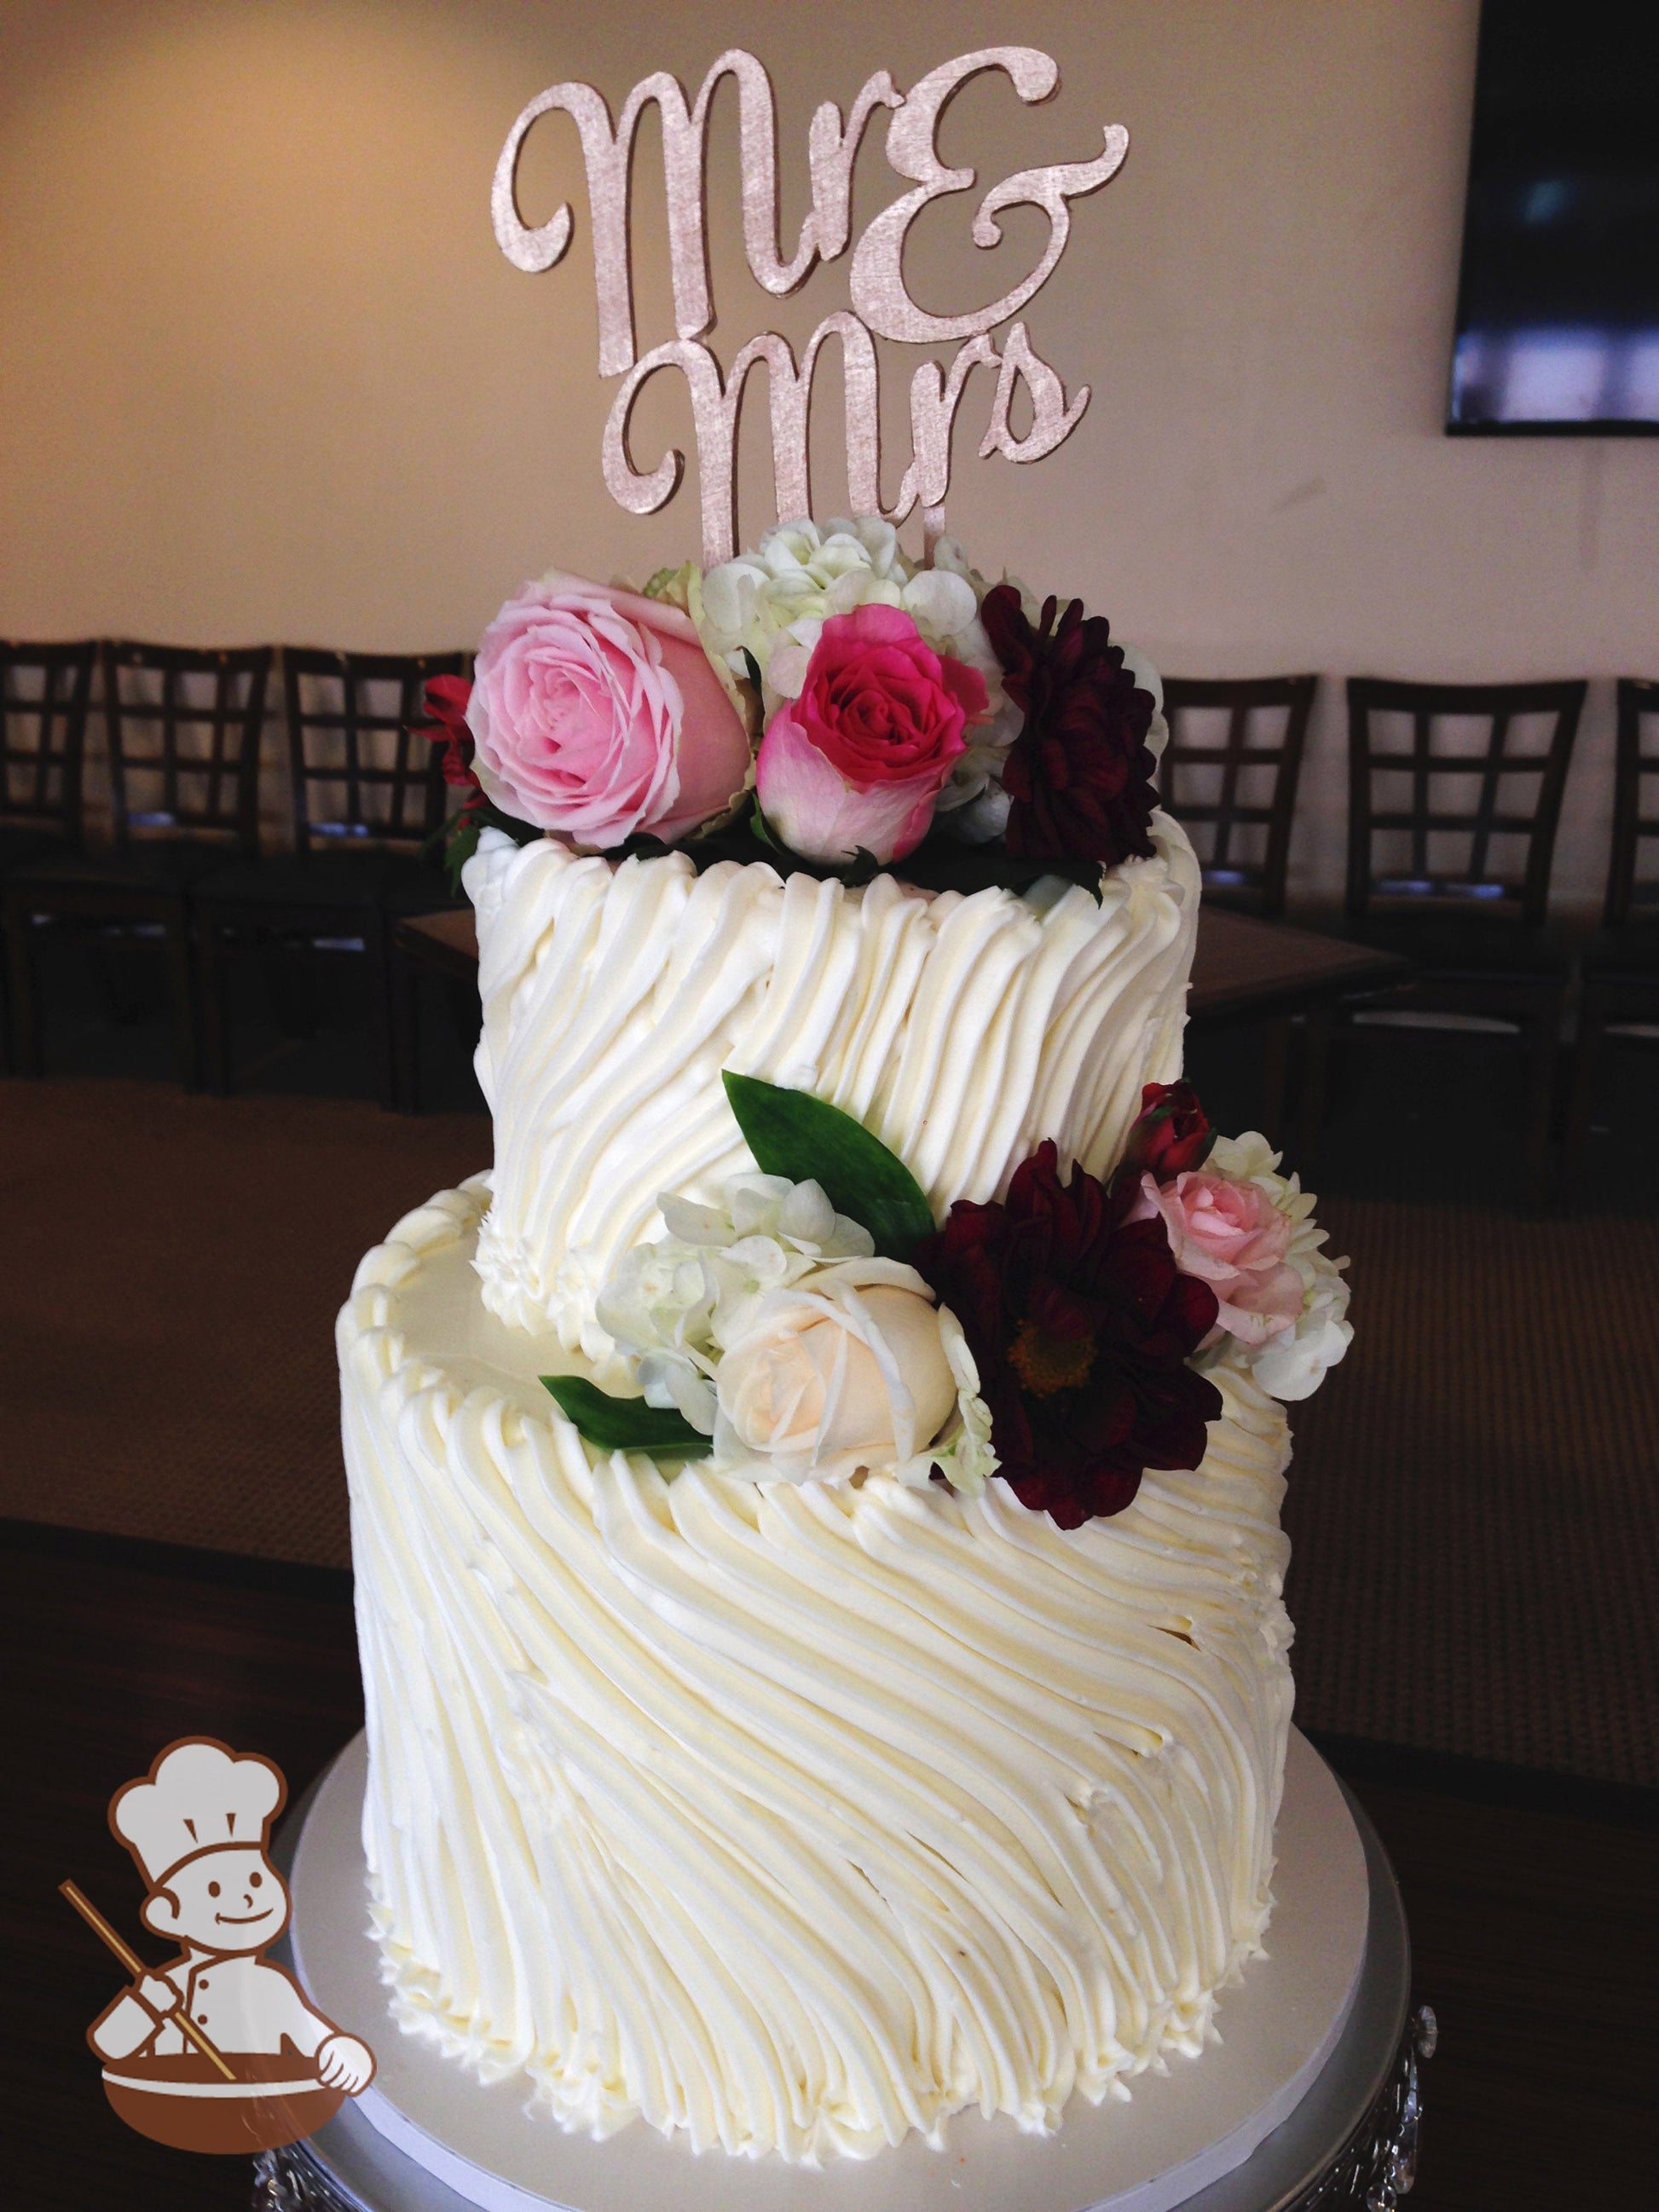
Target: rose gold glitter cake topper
x=881, y=302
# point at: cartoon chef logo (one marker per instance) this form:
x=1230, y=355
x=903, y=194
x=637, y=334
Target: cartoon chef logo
x=215, y=2049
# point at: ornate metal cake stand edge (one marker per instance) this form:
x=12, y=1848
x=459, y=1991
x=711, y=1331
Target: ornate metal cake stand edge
x=1376, y=2168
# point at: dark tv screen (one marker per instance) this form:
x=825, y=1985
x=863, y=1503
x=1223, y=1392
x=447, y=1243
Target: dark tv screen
x=1558, y=315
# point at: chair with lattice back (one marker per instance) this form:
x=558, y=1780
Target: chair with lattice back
x=182, y=729
x=44, y=690
x=1228, y=773
x=368, y=796
x=1455, y=800
x=1619, y=979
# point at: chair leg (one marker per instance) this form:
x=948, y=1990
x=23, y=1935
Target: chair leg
x=1586, y=1070
x=186, y=1037
x=216, y=1011
x=25, y=1001
x=1275, y=1077
x=1542, y=1039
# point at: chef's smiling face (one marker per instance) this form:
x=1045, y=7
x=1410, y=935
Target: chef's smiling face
x=227, y=1900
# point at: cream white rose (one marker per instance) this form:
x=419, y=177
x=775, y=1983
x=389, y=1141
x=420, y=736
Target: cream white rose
x=834, y=1374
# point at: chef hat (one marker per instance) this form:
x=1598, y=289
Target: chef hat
x=198, y=1797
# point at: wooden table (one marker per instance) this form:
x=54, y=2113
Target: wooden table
x=447, y=943
x=1244, y=970
x=1248, y=970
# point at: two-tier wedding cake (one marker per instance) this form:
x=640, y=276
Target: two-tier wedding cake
x=852, y=1686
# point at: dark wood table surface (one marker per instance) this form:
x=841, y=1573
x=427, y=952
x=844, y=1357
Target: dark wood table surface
x=1242, y=968
x=1533, y=1930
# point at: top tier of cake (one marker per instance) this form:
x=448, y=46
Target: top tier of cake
x=961, y=1031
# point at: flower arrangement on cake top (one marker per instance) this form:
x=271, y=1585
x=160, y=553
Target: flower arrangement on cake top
x=823, y=695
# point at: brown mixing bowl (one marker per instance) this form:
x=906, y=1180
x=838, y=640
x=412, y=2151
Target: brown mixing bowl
x=189, y=2105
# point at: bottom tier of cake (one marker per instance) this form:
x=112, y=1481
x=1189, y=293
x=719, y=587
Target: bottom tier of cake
x=794, y=1818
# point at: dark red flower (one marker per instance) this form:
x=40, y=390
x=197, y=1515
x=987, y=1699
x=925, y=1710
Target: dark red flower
x=1079, y=774
x=1081, y=1326
x=446, y=701
x=1169, y=1134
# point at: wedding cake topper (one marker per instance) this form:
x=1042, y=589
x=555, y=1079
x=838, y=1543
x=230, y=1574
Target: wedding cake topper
x=882, y=305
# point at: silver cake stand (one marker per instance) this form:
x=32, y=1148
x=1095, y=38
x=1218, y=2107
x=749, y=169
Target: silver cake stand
x=1309, y=2103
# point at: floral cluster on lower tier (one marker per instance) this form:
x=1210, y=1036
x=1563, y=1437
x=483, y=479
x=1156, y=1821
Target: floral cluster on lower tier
x=849, y=708
x=773, y=1328
x=1065, y=1338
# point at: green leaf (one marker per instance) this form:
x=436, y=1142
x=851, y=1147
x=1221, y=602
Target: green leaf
x=792, y=1134
x=625, y=1423
x=460, y=843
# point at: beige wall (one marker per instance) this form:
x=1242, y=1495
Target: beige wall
x=263, y=372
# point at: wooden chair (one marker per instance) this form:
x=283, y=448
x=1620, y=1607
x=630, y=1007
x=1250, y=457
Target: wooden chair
x=1236, y=788
x=45, y=691
x=1456, y=879
x=1228, y=774
x=183, y=729
x=44, y=695
x=1619, y=975
x=367, y=795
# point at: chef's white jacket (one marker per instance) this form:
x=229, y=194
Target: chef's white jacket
x=241, y=2004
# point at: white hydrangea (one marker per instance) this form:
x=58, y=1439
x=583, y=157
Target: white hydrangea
x=672, y=1304
x=676, y=1307
x=1293, y=1363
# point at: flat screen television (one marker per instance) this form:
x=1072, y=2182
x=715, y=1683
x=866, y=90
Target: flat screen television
x=1557, y=310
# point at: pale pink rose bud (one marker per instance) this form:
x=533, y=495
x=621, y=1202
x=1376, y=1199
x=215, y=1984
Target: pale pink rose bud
x=1232, y=1237
x=596, y=712
x=859, y=760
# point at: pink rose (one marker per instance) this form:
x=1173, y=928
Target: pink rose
x=596, y=712
x=860, y=758
x=1232, y=1237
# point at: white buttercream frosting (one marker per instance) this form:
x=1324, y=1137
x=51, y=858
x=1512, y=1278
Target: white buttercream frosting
x=793, y=1817
x=961, y=1031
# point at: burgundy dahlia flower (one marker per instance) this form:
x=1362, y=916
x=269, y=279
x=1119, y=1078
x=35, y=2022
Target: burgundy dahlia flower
x=1081, y=1326
x=1079, y=774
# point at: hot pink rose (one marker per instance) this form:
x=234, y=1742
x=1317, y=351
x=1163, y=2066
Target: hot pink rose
x=860, y=758
x=596, y=712
x=1232, y=1237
